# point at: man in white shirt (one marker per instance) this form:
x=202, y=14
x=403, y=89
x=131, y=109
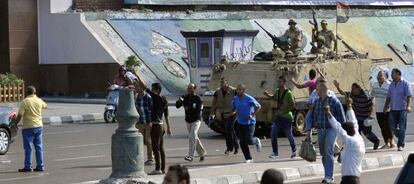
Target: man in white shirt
x=379, y=95
x=353, y=145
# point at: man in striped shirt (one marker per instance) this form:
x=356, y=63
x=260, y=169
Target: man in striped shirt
x=363, y=107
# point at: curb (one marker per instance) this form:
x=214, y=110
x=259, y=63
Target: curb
x=79, y=119
x=302, y=172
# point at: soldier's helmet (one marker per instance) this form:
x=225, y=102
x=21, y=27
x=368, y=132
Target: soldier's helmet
x=291, y=21
x=324, y=22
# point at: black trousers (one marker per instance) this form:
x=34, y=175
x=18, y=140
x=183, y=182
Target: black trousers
x=350, y=180
x=231, y=136
x=385, y=127
x=157, y=133
x=367, y=131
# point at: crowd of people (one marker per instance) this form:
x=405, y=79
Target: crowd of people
x=388, y=102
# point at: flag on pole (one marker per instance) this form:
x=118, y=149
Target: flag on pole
x=342, y=12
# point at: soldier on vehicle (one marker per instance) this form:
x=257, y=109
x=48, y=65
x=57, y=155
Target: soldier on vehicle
x=320, y=46
x=327, y=34
x=221, y=111
x=294, y=35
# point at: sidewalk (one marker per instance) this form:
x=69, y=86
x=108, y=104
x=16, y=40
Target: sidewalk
x=291, y=169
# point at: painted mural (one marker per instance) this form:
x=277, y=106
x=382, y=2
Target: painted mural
x=160, y=45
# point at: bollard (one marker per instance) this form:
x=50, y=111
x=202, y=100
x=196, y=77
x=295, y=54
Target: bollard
x=127, y=144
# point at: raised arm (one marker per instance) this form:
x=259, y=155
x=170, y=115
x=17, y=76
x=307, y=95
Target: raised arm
x=336, y=84
x=337, y=127
x=300, y=86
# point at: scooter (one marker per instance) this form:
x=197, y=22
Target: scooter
x=111, y=103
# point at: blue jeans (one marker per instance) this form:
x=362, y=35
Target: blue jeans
x=33, y=136
x=398, y=124
x=308, y=120
x=326, y=140
x=246, y=138
x=286, y=126
x=231, y=137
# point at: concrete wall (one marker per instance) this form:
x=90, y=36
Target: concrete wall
x=23, y=42
x=59, y=6
x=91, y=5
x=65, y=39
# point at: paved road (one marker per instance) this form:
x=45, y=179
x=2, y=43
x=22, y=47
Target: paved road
x=81, y=152
x=371, y=177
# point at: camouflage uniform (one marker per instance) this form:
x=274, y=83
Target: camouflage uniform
x=329, y=38
x=294, y=35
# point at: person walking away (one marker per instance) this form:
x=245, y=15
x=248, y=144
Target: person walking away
x=379, y=95
x=354, y=147
x=284, y=116
x=326, y=135
x=160, y=109
x=245, y=108
x=221, y=110
x=144, y=106
x=363, y=107
x=192, y=106
x=30, y=111
x=310, y=84
x=177, y=174
x=399, y=101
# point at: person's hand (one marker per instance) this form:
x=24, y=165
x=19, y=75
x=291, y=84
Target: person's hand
x=327, y=109
x=169, y=132
x=150, y=125
x=310, y=107
x=386, y=109
x=336, y=83
x=250, y=116
x=266, y=92
x=408, y=109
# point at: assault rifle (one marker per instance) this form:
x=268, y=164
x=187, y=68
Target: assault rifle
x=276, y=41
x=314, y=22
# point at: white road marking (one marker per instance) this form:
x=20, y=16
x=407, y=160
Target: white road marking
x=79, y=158
x=23, y=178
x=175, y=149
x=88, y=182
x=339, y=174
x=84, y=145
x=64, y=132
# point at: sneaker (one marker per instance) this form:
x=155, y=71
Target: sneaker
x=376, y=144
x=202, y=158
x=293, y=155
x=25, y=170
x=327, y=181
x=400, y=148
x=39, y=169
x=385, y=146
x=188, y=158
x=258, y=145
x=149, y=162
x=249, y=161
x=227, y=152
x=155, y=172
x=273, y=156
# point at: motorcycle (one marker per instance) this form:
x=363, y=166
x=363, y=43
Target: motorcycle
x=111, y=103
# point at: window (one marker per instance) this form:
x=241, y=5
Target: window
x=192, y=52
x=204, y=50
x=217, y=50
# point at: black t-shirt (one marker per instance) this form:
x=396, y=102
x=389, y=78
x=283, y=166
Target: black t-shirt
x=160, y=106
x=193, y=106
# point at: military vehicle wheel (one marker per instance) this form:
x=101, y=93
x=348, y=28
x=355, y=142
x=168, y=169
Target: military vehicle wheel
x=299, y=124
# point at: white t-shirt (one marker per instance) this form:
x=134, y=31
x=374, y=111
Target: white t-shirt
x=380, y=94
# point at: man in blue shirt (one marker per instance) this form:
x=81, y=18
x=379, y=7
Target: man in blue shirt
x=399, y=96
x=245, y=108
x=326, y=134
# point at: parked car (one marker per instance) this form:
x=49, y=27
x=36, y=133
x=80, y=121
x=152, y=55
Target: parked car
x=406, y=175
x=8, y=130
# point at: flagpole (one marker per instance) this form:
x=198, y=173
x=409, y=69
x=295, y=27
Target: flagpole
x=336, y=28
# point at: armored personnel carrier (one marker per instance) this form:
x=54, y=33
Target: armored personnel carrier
x=206, y=47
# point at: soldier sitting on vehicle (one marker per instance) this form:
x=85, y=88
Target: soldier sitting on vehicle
x=295, y=37
x=320, y=47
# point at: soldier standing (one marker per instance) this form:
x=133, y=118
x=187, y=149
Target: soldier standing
x=295, y=36
x=327, y=34
x=221, y=109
